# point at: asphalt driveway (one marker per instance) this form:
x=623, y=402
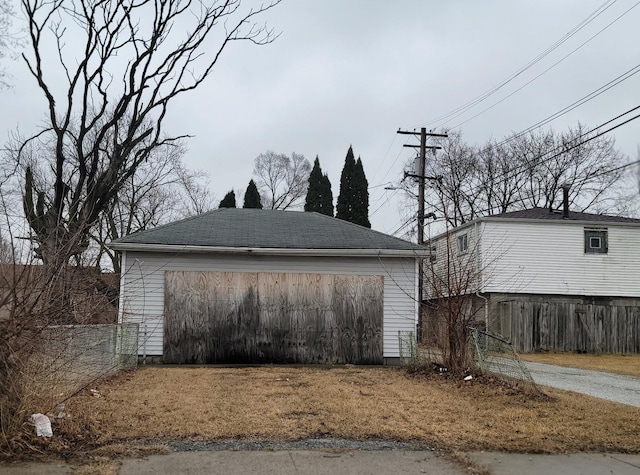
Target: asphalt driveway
x=613, y=387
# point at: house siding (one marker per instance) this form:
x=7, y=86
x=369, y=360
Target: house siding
x=548, y=258
x=446, y=256
x=142, y=286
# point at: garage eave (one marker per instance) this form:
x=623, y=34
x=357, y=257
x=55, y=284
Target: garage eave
x=174, y=248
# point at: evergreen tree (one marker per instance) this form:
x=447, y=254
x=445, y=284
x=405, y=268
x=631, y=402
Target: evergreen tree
x=229, y=200
x=327, y=196
x=353, y=201
x=319, y=195
x=360, y=196
x=344, y=208
x=252, y=197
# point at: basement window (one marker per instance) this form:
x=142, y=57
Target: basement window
x=595, y=241
x=463, y=243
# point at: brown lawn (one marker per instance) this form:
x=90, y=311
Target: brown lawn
x=620, y=364
x=288, y=403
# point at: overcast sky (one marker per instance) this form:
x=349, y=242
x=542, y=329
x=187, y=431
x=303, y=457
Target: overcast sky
x=351, y=72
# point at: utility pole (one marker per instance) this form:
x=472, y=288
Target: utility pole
x=422, y=158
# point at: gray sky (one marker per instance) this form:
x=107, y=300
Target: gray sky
x=354, y=71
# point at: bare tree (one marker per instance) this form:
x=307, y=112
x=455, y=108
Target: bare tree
x=451, y=282
x=282, y=180
x=6, y=251
x=123, y=63
x=525, y=171
x=161, y=190
x=497, y=194
x=457, y=168
x=627, y=201
x=8, y=38
x=196, y=196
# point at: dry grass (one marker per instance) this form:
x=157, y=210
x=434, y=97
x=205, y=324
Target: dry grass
x=288, y=403
x=120, y=450
x=620, y=364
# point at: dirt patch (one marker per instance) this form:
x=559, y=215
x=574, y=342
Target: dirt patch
x=287, y=403
x=628, y=365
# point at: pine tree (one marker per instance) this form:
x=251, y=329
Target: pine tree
x=360, y=196
x=252, y=197
x=327, y=196
x=229, y=200
x=353, y=202
x=344, y=208
x=319, y=195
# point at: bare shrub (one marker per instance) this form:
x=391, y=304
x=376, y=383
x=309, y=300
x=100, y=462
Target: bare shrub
x=452, y=308
x=37, y=358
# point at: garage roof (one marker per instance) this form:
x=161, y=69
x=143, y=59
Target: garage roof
x=234, y=228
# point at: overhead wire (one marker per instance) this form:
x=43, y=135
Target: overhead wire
x=565, y=149
x=523, y=200
x=383, y=159
x=592, y=95
x=538, y=75
x=482, y=97
x=534, y=61
x=558, y=151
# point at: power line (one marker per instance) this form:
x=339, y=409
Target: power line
x=537, y=76
x=386, y=201
x=620, y=168
x=382, y=161
x=592, y=95
x=482, y=97
x=564, y=148
x=558, y=151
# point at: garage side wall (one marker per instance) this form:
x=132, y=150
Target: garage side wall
x=143, y=286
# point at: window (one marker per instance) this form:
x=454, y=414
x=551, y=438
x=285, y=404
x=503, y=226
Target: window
x=463, y=243
x=595, y=241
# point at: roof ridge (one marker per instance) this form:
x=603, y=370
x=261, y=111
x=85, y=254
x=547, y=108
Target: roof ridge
x=544, y=213
x=363, y=227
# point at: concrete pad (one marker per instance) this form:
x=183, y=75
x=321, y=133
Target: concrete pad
x=34, y=469
x=570, y=464
x=291, y=462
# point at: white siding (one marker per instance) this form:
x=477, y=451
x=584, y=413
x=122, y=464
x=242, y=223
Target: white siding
x=143, y=286
x=548, y=258
x=448, y=258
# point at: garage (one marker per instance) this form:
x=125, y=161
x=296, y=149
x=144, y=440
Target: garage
x=266, y=286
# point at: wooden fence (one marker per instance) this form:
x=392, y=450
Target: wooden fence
x=571, y=327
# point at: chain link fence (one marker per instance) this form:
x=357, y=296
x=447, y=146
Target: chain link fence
x=491, y=354
x=408, y=347
x=495, y=355
x=72, y=356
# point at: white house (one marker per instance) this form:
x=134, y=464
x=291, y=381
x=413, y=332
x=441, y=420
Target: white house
x=550, y=279
x=247, y=285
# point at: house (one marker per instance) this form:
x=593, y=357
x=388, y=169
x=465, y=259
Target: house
x=557, y=280
x=267, y=286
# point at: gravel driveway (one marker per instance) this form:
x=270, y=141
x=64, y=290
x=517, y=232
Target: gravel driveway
x=613, y=387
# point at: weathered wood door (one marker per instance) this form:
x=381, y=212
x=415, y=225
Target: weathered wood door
x=234, y=317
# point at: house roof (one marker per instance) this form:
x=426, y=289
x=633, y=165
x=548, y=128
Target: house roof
x=542, y=215
x=255, y=229
x=546, y=214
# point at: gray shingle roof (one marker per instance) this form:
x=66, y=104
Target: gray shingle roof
x=255, y=228
x=545, y=214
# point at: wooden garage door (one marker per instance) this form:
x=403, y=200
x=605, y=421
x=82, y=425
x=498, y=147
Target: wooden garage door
x=232, y=317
